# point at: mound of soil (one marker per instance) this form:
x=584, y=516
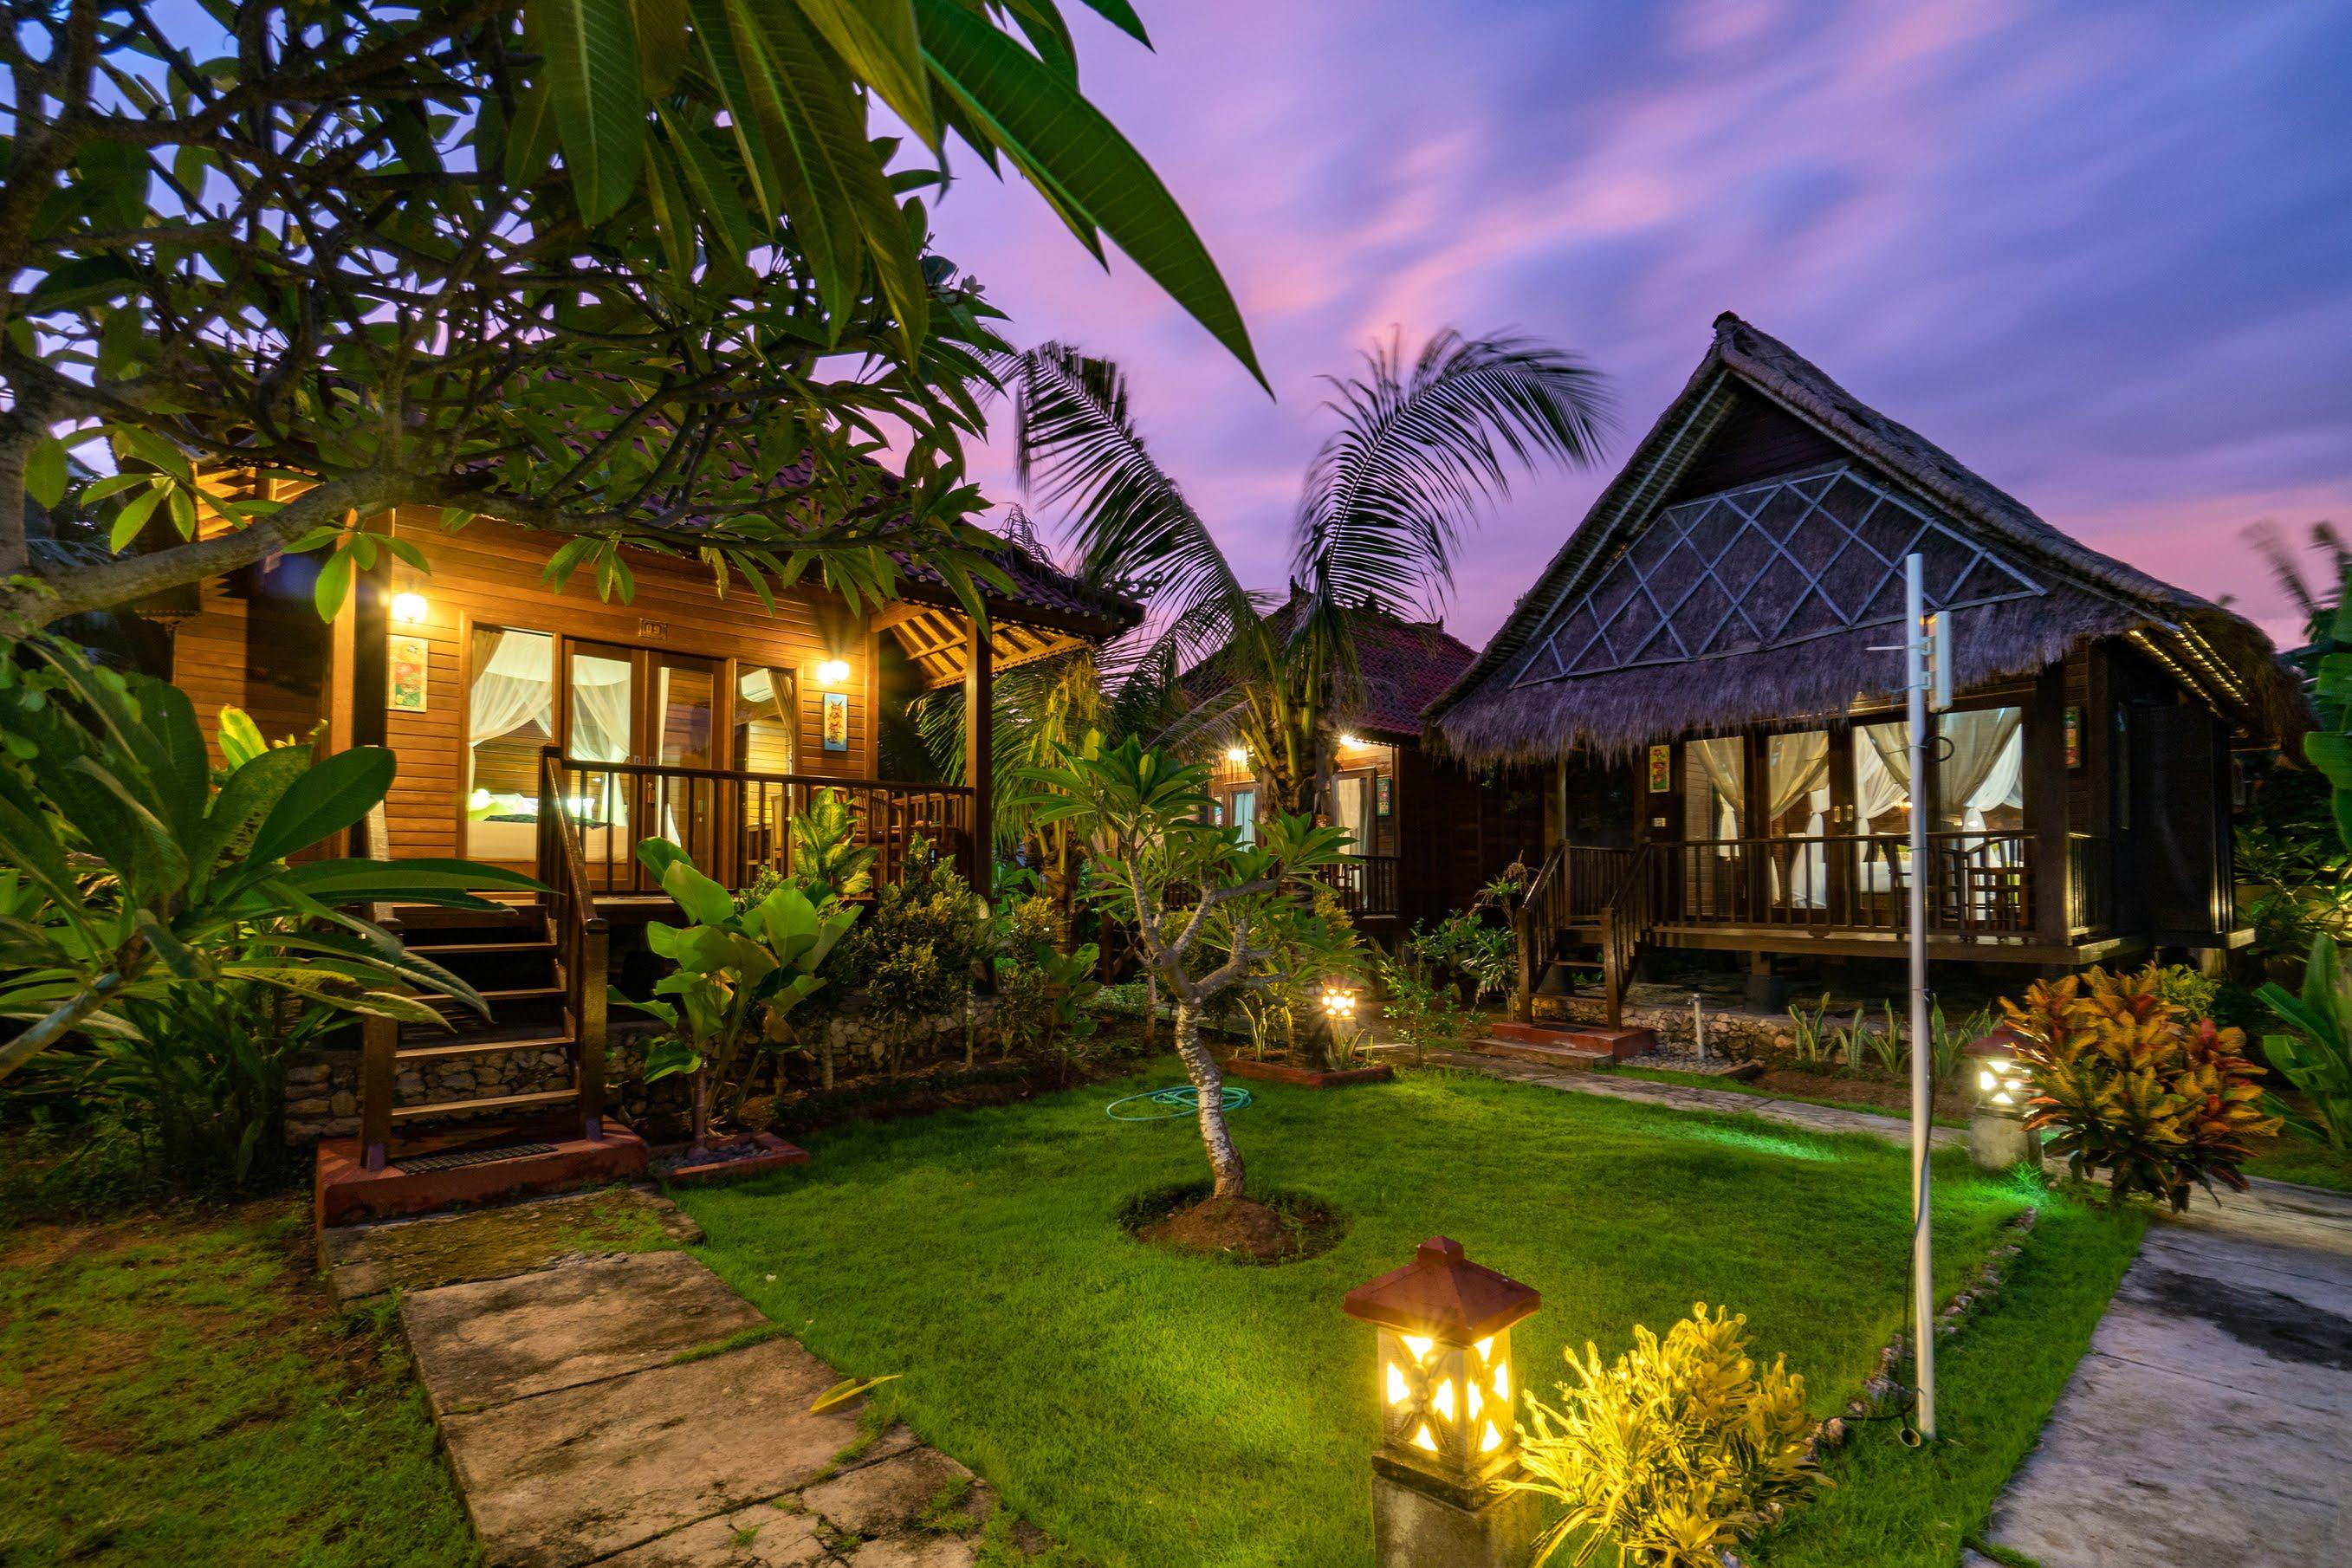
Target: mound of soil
x=1284, y=1228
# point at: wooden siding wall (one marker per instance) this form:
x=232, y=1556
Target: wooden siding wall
x=488, y=575
x=1225, y=776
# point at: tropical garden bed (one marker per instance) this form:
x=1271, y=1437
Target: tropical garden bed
x=1150, y=1407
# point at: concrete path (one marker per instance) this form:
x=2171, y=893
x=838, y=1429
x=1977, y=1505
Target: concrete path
x=2211, y=1423
x=574, y=1361
x=1688, y=1097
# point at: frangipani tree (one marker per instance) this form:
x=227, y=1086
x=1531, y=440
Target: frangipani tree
x=1423, y=444
x=1173, y=876
x=627, y=272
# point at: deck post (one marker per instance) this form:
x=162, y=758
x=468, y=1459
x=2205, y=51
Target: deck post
x=2048, y=883
x=595, y=948
x=979, y=755
x=379, y=1040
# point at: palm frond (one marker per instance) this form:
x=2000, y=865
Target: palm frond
x=1127, y=523
x=1423, y=448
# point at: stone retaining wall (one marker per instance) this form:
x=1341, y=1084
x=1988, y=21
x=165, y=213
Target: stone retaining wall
x=323, y=1086
x=1732, y=1032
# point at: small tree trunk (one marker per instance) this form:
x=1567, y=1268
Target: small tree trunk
x=1151, y=1008
x=1209, y=1083
x=702, y=1108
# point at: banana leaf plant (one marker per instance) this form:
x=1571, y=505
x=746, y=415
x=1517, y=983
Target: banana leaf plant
x=737, y=968
x=129, y=869
x=2318, y=1060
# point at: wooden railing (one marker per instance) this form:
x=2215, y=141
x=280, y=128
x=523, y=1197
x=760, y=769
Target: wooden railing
x=735, y=825
x=583, y=939
x=1616, y=892
x=1367, y=884
x=1980, y=883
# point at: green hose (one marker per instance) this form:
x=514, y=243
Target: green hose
x=1171, y=1103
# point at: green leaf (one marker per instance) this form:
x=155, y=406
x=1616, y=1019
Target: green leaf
x=45, y=472
x=704, y=901
x=1064, y=143
x=333, y=586
x=258, y=784
x=596, y=96
x=327, y=799
x=1121, y=15
x=133, y=517
x=876, y=39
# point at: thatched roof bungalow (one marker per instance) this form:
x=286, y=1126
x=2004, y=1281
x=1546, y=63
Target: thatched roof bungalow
x=1711, y=641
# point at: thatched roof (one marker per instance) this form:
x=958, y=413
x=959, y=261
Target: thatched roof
x=1401, y=667
x=1771, y=599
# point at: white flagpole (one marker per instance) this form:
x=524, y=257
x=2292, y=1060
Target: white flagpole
x=1923, y=1266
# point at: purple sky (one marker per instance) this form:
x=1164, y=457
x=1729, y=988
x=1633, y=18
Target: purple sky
x=2100, y=252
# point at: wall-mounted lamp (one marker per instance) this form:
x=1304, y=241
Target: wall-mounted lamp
x=833, y=672
x=1237, y=755
x=408, y=609
x=1349, y=741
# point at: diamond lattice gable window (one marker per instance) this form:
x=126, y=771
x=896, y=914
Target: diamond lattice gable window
x=1763, y=567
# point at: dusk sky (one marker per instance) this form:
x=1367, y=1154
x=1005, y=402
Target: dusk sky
x=2100, y=252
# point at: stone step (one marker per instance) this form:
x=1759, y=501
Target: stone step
x=1618, y=1045
x=1561, y=1054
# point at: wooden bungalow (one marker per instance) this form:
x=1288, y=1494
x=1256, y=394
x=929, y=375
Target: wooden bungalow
x=548, y=732
x=1704, y=665
x=1429, y=832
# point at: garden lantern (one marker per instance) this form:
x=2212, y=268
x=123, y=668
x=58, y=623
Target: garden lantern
x=1998, y=1136
x=1446, y=1390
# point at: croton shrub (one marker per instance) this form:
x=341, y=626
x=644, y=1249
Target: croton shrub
x=2129, y=1083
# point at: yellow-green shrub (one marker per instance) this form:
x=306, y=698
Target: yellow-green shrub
x=2129, y=1084
x=1679, y=1446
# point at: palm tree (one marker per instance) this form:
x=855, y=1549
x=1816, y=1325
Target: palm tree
x=1423, y=445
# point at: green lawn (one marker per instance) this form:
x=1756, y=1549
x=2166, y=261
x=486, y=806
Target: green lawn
x=2292, y=1159
x=174, y=1389
x=1151, y=1409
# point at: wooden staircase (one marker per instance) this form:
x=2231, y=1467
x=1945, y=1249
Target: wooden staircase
x=1575, y=1049
x=542, y=969
x=1584, y=921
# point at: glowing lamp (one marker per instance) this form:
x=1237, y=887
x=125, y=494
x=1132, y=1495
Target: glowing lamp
x=1998, y=1136
x=1237, y=755
x=1349, y=742
x=833, y=672
x=1338, y=1002
x=408, y=609
x=1445, y=1385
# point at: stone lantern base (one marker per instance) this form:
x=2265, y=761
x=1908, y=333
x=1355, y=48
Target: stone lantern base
x=1419, y=1522
x=1997, y=1142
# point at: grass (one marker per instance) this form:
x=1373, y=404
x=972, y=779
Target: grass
x=2294, y=1159
x=1151, y=1409
x=175, y=1389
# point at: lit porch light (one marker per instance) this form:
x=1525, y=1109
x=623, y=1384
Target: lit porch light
x=2001, y=1091
x=1444, y=1378
x=1349, y=742
x=833, y=672
x=408, y=609
x=1237, y=755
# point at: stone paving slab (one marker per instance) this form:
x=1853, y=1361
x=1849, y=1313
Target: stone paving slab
x=577, y=1474
x=2210, y=1424
x=366, y=1261
x=762, y=1536
x=1690, y=1096
x=496, y=1339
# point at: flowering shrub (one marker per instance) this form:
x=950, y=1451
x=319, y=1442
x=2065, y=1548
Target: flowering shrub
x=1677, y=1448
x=2131, y=1086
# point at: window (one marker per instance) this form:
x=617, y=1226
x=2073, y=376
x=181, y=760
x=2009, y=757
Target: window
x=1243, y=813
x=1716, y=789
x=766, y=739
x=510, y=719
x=1980, y=780
x=1351, y=810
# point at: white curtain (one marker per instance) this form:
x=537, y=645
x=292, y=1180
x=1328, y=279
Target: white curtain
x=1882, y=772
x=1798, y=766
x=1986, y=768
x=513, y=688
x=1722, y=762
x=600, y=709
